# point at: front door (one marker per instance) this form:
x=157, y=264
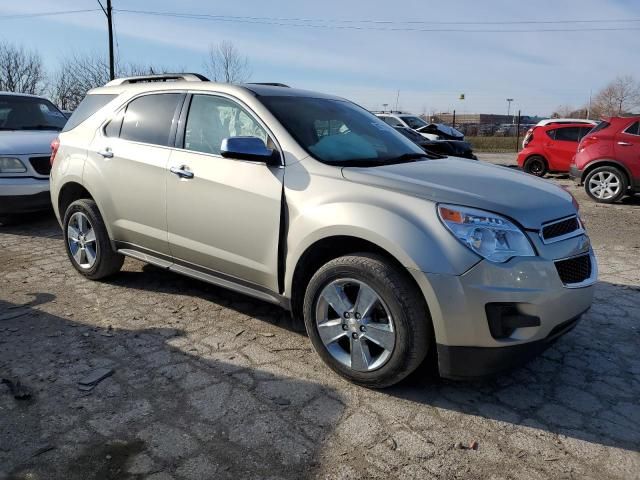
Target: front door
x=560, y=152
x=627, y=148
x=224, y=217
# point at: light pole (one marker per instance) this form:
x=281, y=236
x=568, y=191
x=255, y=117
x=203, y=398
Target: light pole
x=509, y=100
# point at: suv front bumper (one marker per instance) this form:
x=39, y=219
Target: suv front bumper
x=24, y=195
x=531, y=287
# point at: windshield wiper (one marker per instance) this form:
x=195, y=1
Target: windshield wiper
x=412, y=157
x=41, y=127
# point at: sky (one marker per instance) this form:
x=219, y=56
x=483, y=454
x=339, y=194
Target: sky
x=368, y=60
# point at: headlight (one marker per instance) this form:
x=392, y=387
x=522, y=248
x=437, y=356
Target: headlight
x=11, y=165
x=487, y=234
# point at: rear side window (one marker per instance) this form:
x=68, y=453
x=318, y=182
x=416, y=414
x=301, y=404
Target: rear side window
x=634, y=129
x=552, y=134
x=600, y=126
x=90, y=105
x=584, y=131
x=568, y=134
x=148, y=119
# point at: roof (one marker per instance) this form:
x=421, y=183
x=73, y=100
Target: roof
x=556, y=121
x=17, y=94
x=118, y=87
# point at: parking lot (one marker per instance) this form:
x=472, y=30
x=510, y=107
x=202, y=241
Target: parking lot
x=205, y=383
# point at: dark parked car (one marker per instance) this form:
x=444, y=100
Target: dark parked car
x=453, y=148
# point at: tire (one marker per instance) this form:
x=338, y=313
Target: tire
x=606, y=184
x=99, y=260
x=536, y=165
x=7, y=220
x=397, y=296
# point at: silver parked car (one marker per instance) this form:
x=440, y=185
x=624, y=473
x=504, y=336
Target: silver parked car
x=28, y=124
x=313, y=203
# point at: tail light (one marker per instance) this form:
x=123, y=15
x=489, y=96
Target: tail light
x=54, y=149
x=527, y=138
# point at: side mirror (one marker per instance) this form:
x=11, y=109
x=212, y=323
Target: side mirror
x=248, y=148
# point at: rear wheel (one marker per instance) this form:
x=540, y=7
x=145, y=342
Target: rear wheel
x=366, y=320
x=87, y=241
x=606, y=184
x=536, y=165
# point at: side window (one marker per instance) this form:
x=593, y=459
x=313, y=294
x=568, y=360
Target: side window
x=112, y=129
x=148, y=119
x=212, y=119
x=551, y=134
x=394, y=122
x=569, y=134
x=634, y=129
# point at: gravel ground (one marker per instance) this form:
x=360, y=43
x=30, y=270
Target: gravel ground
x=209, y=384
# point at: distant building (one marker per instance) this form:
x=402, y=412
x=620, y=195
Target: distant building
x=472, y=118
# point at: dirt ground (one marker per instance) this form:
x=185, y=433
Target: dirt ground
x=204, y=383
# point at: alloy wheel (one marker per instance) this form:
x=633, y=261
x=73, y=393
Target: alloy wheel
x=355, y=325
x=605, y=185
x=81, y=239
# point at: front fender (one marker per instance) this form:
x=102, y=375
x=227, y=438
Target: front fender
x=406, y=227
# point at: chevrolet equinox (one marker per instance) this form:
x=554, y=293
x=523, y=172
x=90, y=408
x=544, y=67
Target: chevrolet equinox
x=311, y=202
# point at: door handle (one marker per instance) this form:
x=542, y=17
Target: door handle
x=625, y=144
x=182, y=171
x=106, y=153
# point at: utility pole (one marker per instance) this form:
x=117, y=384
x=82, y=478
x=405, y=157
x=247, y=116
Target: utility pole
x=109, y=14
x=112, y=70
x=509, y=100
x=397, y=99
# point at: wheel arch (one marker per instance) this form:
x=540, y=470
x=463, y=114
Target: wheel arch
x=71, y=191
x=606, y=162
x=326, y=249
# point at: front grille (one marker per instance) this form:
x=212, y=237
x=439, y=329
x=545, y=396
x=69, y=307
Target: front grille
x=558, y=229
x=574, y=270
x=42, y=165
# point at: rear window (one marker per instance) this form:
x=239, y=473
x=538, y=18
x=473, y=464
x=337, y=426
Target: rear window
x=600, y=126
x=90, y=105
x=148, y=119
x=634, y=129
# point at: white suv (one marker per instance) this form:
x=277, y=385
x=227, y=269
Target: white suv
x=28, y=125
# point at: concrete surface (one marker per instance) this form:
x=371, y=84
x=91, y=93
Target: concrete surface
x=209, y=384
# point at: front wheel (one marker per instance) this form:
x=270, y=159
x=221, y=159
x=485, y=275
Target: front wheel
x=87, y=241
x=606, y=184
x=367, y=320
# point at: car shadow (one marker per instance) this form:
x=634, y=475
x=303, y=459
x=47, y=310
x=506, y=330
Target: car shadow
x=170, y=403
x=575, y=388
x=584, y=386
x=38, y=224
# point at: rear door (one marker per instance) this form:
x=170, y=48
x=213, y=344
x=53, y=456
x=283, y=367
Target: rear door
x=225, y=219
x=627, y=148
x=560, y=147
x=131, y=154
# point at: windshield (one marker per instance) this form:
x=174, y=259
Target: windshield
x=29, y=113
x=414, y=122
x=339, y=132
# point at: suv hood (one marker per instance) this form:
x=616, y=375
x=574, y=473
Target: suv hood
x=528, y=200
x=25, y=142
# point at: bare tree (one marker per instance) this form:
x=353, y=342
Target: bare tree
x=80, y=73
x=21, y=70
x=620, y=96
x=224, y=63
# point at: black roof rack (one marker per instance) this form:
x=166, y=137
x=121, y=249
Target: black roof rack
x=269, y=84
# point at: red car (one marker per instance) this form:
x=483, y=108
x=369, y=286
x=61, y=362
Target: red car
x=551, y=144
x=608, y=160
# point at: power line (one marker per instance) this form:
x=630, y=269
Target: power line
x=323, y=24
x=47, y=14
